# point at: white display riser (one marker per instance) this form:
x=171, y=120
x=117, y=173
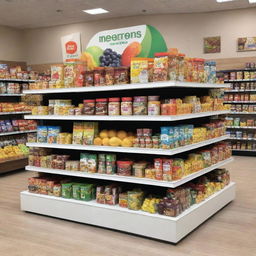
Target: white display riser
x=131, y=179
x=127, y=118
x=247, y=139
x=151, y=151
x=241, y=127
x=243, y=113
x=153, y=85
x=136, y=222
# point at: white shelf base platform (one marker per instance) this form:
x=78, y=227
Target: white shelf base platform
x=151, y=151
x=243, y=113
x=131, y=179
x=247, y=139
x=153, y=85
x=135, y=222
x=127, y=118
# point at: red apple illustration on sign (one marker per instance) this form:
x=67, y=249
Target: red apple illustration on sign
x=71, y=47
x=132, y=50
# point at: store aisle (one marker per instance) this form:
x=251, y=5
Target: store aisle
x=229, y=232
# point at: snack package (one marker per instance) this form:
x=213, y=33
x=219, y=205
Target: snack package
x=84, y=162
x=57, y=75
x=78, y=130
x=92, y=163
x=79, y=72
x=90, y=132
x=69, y=75
x=42, y=132
x=53, y=132
x=139, y=70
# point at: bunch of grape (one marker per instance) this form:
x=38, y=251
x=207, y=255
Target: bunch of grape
x=110, y=58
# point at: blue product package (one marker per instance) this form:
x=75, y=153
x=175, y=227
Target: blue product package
x=176, y=136
x=190, y=132
x=53, y=132
x=182, y=135
x=42, y=132
x=164, y=138
x=171, y=137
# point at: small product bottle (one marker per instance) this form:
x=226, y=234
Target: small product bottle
x=101, y=107
x=126, y=106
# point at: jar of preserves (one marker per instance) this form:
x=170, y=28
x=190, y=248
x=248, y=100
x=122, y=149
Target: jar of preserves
x=124, y=168
x=140, y=105
x=89, y=75
x=101, y=108
x=99, y=76
x=126, y=106
x=89, y=107
x=114, y=107
x=154, y=106
x=109, y=75
x=121, y=75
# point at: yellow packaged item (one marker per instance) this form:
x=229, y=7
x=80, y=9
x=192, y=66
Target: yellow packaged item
x=139, y=70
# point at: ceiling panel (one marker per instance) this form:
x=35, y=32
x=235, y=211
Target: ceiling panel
x=43, y=13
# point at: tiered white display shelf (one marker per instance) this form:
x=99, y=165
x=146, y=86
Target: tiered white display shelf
x=16, y=132
x=114, y=217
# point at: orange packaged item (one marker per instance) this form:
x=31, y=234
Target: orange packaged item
x=99, y=76
x=79, y=75
x=160, y=67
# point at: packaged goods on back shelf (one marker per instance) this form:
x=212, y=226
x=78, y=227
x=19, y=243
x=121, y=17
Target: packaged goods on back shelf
x=246, y=145
x=87, y=133
x=13, y=148
x=165, y=66
x=167, y=169
x=237, y=75
x=171, y=202
x=16, y=73
x=241, y=107
x=242, y=86
x=12, y=88
x=240, y=121
x=17, y=125
x=137, y=105
x=250, y=135
x=14, y=107
x=240, y=97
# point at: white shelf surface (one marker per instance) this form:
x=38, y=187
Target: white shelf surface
x=10, y=94
x=127, y=118
x=241, y=102
x=16, y=132
x=249, y=90
x=243, y=139
x=241, y=127
x=17, y=80
x=151, y=151
x=15, y=113
x=131, y=179
x=171, y=229
x=243, y=113
x=153, y=85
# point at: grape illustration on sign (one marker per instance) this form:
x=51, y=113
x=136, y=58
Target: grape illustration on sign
x=114, y=48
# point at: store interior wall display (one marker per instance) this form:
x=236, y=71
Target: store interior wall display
x=131, y=123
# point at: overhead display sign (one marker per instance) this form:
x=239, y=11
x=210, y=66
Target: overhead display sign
x=71, y=47
x=122, y=44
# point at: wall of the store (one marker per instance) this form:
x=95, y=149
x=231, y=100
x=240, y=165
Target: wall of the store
x=12, y=44
x=184, y=31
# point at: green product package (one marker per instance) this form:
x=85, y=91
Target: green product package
x=86, y=192
x=66, y=189
x=76, y=191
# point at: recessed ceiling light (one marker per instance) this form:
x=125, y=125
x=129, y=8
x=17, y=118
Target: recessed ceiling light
x=252, y=1
x=96, y=11
x=223, y=1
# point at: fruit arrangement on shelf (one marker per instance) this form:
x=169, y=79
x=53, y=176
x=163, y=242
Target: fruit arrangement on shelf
x=137, y=105
x=11, y=149
x=167, y=169
x=169, y=203
x=87, y=133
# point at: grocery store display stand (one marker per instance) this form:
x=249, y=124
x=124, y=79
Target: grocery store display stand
x=171, y=229
x=249, y=152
